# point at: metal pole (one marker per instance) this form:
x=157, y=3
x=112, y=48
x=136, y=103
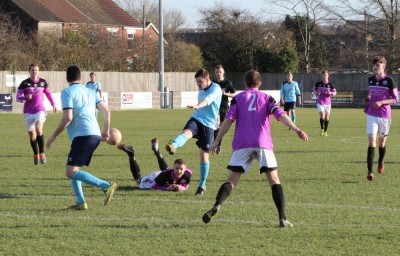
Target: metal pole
x=143, y=36
x=161, y=54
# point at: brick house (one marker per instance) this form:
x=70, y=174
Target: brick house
x=104, y=16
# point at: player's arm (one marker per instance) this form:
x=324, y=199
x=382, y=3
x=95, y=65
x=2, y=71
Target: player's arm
x=230, y=91
x=105, y=133
x=47, y=92
x=226, y=124
x=201, y=104
x=285, y=120
x=65, y=120
x=20, y=95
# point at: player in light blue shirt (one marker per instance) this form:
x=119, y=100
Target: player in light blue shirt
x=79, y=104
x=201, y=124
x=290, y=93
x=93, y=84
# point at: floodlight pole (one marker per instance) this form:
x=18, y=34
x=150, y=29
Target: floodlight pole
x=161, y=54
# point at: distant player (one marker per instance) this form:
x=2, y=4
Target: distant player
x=169, y=179
x=382, y=92
x=31, y=92
x=324, y=91
x=252, y=140
x=290, y=94
x=93, y=84
x=79, y=104
x=228, y=91
x=201, y=124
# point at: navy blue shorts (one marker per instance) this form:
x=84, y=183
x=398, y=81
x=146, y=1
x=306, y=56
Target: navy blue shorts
x=203, y=134
x=289, y=105
x=82, y=149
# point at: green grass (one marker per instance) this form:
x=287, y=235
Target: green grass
x=334, y=208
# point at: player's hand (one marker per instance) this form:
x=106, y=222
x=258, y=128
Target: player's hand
x=54, y=109
x=192, y=106
x=105, y=135
x=213, y=148
x=302, y=135
x=50, y=141
x=28, y=96
x=366, y=100
x=377, y=104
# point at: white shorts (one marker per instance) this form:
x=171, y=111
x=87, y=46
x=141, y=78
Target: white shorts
x=148, y=181
x=245, y=156
x=32, y=119
x=378, y=125
x=324, y=108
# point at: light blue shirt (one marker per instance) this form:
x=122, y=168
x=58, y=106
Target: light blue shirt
x=208, y=115
x=94, y=85
x=289, y=91
x=82, y=101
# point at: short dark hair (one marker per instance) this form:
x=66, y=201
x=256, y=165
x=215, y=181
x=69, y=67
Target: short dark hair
x=324, y=71
x=180, y=161
x=379, y=59
x=32, y=66
x=73, y=73
x=252, y=78
x=92, y=73
x=202, y=73
x=219, y=66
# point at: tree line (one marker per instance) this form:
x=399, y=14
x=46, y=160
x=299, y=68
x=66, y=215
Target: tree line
x=313, y=35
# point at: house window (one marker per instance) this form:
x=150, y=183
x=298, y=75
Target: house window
x=131, y=37
x=112, y=35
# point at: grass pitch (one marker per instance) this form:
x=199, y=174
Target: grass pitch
x=334, y=208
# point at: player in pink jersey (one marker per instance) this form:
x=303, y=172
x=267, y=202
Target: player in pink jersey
x=31, y=92
x=382, y=92
x=251, y=110
x=324, y=90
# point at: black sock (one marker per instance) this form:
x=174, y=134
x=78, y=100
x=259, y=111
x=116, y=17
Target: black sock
x=34, y=146
x=161, y=162
x=382, y=152
x=135, y=169
x=40, y=142
x=370, y=158
x=223, y=193
x=326, y=122
x=321, y=122
x=279, y=199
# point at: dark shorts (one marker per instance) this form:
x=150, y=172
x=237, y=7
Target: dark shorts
x=203, y=134
x=82, y=149
x=289, y=105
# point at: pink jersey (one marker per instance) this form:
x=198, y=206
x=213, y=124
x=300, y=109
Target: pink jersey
x=251, y=110
x=381, y=89
x=322, y=90
x=38, y=89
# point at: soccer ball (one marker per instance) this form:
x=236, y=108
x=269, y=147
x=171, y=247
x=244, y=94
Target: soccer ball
x=115, y=136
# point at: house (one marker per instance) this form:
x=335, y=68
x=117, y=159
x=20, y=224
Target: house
x=96, y=16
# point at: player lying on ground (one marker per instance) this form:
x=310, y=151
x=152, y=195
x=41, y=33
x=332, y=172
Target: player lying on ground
x=171, y=179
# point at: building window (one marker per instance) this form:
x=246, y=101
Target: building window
x=131, y=38
x=112, y=36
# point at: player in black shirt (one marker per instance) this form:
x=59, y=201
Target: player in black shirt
x=228, y=91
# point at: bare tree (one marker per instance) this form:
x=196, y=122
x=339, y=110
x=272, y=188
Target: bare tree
x=135, y=8
x=312, y=11
x=14, y=45
x=380, y=28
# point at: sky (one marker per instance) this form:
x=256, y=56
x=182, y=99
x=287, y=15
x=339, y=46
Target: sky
x=189, y=7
